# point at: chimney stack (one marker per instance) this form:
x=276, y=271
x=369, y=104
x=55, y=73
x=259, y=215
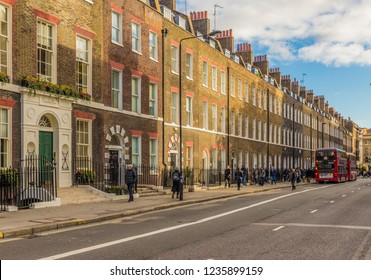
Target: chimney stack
x=295, y=87
x=245, y=51
x=262, y=63
x=303, y=92
x=310, y=96
x=200, y=22
x=319, y=101
x=226, y=40
x=286, y=82
x=276, y=74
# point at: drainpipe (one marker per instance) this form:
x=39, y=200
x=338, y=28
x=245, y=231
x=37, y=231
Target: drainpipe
x=228, y=114
x=164, y=32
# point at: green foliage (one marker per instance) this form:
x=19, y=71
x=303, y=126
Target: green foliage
x=8, y=177
x=4, y=78
x=85, y=176
x=118, y=190
x=56, y=90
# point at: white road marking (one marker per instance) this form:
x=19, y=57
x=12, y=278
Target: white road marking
x=332, y=201
x=344, y=195
x=314, y=211
x=352, y=191
x=315, y=225
x=139, y=236
x=278, y=228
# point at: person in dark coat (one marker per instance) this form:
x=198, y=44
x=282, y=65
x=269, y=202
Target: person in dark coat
x=176, y=183
x=130, y=179
x=238, y=177
x=244, y=175
x=293, y=178
x=227, y=177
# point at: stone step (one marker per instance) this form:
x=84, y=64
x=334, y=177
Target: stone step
x=147, y=191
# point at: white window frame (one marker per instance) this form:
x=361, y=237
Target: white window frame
x=175, y=107
x=7, y=38
x=51, y=50
x=254, y=95
x=136, y=154
x=214, y=117
x=86, y=146
x=233, y=86
x=189, y=111
x=239, y=124
x=214, y=159
x=246, y=92
x=222, y=82
x=223, y=159
x=174, y=59
x=259, y=130
x=189, y=66
x=214, y=78
x=259, y=98
x=239, y=88
x=153, y=155
x=223, y=120
x=135, y=95
x=153, y=93
x=5, y=155
x=136, y=39
x=205, y=115
x=205, y=75
x=246, y=126
x=116, y=92
x=84, y=58
x=153, y=45
x=233, y=122
x=116, y=28
x=254, y=129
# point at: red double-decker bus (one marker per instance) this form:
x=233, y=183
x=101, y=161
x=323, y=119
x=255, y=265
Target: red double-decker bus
x=352, y=167
x=331, y=165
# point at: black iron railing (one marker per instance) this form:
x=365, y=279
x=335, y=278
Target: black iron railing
x=33, y=181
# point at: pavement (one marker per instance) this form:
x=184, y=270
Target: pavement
x=29, y=222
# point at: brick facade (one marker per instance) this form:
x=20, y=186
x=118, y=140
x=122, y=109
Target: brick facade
x=273, y=137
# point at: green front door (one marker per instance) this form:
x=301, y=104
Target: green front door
x=46, y=145
x=45, y=156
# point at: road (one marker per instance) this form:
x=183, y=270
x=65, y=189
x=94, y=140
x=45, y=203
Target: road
x=316, y=222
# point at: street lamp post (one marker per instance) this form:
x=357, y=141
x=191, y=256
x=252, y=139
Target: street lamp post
x=213, y=33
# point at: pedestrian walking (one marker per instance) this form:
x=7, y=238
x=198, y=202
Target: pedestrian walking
x=227, y=177
x=262, y=177
x=273, y=176
x=238, y=177
x=130, y=179
x=293, y=177
x=256, y=175
x=244, y=175
x=176, y=183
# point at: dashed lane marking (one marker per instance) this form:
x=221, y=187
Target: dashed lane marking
x=314, y=226
x=276, y=229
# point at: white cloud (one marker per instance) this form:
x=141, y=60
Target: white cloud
x=337, y=54
x=331, y=32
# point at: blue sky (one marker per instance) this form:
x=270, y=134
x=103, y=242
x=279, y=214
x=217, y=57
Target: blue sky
x=328, y=41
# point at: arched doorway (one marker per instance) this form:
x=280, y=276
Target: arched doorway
x=115, y=156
